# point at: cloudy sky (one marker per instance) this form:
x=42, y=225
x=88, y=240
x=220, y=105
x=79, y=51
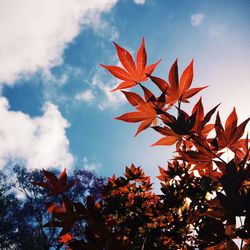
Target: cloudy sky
x=56, y=108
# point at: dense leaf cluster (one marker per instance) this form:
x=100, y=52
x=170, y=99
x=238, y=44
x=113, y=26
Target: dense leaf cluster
x=202, y=193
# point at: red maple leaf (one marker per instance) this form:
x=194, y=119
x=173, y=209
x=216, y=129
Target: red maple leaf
x=146, y=113
x=170, y=137
x=200, y=126
x=54, y=185
x=230, y=136
x=177, y=89
x=201, y=121
x=133, y=72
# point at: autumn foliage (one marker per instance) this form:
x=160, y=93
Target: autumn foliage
x=203, y=195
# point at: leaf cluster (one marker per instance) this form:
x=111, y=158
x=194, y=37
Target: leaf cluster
x=202, y=193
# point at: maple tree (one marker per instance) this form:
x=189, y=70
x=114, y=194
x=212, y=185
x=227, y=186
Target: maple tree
x=202, y=193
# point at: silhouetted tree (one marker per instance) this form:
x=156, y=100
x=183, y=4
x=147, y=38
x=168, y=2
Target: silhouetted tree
x=22, y=209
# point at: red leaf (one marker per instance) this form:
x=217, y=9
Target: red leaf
x=144, y=125
x=207, y=129
x=209, y=115
x=133, y=98
x=145, y=114
x=199, y=110
x=51, y=178
x=52, y=207
x=131, y=117
x=63, y=178
x=166, y=141
x=148, y=95
x=240, y=130
x=132, y=73
x=162, y=84
x=124, y=85
x=173, y=77
x=117, y=72
x=67, y=204
x=186, y=78
x=150, y=68
x=231, y=122
x=164, y=131
x=125, y=58
x=230, y=136
x=178, y=90
x=66, y=238
x=141, y=59
x=191, y=92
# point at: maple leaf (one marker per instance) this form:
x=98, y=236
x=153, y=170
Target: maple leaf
x=177, y=89
x=134, y=172
x=170, y=137
x=133, y=72
x=146, y=113
x=54, y=185
x=66, y=214
x=184, y=123
x=230, y=136
x=203, y=161
x=172, y=171
x=196, y=123
x=201, y=121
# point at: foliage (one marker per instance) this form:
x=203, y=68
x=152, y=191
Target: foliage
x=202, y=193
x=23, y=213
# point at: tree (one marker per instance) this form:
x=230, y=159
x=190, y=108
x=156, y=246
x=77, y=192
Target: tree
x=22, y=219
x=8, y=204
x=202, y=193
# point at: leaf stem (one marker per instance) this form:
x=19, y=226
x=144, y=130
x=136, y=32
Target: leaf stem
x=208, y=149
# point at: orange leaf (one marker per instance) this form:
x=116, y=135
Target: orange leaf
x=231, y=122
x=166, y=141
x=173, y=77
x=66, y=238
x=162, y=84
x=150, y=68
x=124, y=85
x=117, y=72
x=125, y=58
x=186, y=79
x=191, y=92
x=141, y=58
x=144, y=125
x=132, y=73
x=133, y=98
x=133, y=117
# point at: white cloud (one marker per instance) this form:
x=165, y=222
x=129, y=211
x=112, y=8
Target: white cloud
x=111, y=99
x=104, y=29
x=103, y=86
x=86, y=96
x=139, y=1
x=91, y=166
x=197, y=19
x=35, y=33
x=62, y=79
x=38, y=142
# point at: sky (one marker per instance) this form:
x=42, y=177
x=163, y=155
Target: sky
x=56, y=108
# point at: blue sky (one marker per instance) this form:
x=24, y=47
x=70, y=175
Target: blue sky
x=56, y=107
